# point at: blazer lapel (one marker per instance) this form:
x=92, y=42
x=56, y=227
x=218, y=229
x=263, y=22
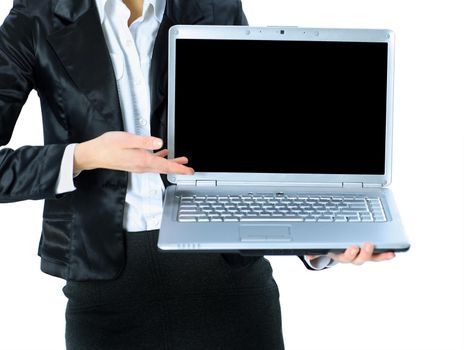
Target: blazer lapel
x=177, y=12
x=82, y=49
x=184, y=11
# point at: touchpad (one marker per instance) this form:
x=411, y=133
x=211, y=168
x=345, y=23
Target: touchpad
x=265, y=233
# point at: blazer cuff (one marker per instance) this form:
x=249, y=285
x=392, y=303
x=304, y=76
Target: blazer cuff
x=65, y=182
x=319, y=263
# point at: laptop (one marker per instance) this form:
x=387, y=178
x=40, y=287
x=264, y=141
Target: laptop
x=289, y=131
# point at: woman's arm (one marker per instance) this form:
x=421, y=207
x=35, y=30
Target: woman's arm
x=29, y=172
x=32, y=172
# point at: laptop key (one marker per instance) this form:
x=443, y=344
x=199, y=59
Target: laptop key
x=187, y=206
x=187, y=200
x=356, y=201
x=191, y=215
x=187, y=219
x=195, y=210
x=379, y=217
x=350, y=211
x=354, y=219
x=272, y=219
x=231, y=219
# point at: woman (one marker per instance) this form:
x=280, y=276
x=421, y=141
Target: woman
x=100, y=70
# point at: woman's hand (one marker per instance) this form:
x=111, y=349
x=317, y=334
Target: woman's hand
x=358, y=256
x=123, y=151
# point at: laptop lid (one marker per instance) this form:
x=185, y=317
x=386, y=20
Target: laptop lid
x=297, y=106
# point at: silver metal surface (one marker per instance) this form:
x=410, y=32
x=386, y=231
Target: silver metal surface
x=307, y=235
x=280, y=208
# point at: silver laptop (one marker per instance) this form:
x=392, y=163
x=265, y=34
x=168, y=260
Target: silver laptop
x=290, y=133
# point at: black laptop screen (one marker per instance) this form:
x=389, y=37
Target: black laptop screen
x=281, y=106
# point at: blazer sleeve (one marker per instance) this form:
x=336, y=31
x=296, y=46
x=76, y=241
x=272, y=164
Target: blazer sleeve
x=29, y=172
x=240, y=18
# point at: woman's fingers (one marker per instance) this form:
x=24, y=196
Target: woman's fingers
x=383, y=256
x=175, y=168
x=171, y=166
x=180, y=160
x=162, y=154
x=133, y=156
x=347, y=257
x=128, y=140
x=365, y=254
x=358, y=256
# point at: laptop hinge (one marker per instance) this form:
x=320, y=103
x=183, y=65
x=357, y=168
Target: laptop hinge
x=352, y=185
x=360, y=185
x=201, y=183
x=371, y=185
x=185, y=183
x=279, y=184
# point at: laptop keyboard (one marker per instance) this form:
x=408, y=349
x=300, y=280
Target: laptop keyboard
x=281, y=208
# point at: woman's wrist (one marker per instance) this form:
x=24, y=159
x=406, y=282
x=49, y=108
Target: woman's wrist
x=82, y=158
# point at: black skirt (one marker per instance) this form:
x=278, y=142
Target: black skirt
x=176, y=301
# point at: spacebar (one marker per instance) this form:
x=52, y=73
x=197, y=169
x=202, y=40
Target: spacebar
x=275, y=219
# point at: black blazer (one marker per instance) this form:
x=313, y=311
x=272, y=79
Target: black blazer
x=57, y=47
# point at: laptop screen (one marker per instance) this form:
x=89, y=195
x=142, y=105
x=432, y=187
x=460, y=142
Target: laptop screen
x=296, y=107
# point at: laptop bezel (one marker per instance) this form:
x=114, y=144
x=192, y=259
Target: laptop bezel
x=281, y=34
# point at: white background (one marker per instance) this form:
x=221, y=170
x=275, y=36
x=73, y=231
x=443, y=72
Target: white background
x=414, y=302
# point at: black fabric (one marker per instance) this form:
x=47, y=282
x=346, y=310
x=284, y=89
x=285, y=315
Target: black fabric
x=57, y=48
x=176, y=301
